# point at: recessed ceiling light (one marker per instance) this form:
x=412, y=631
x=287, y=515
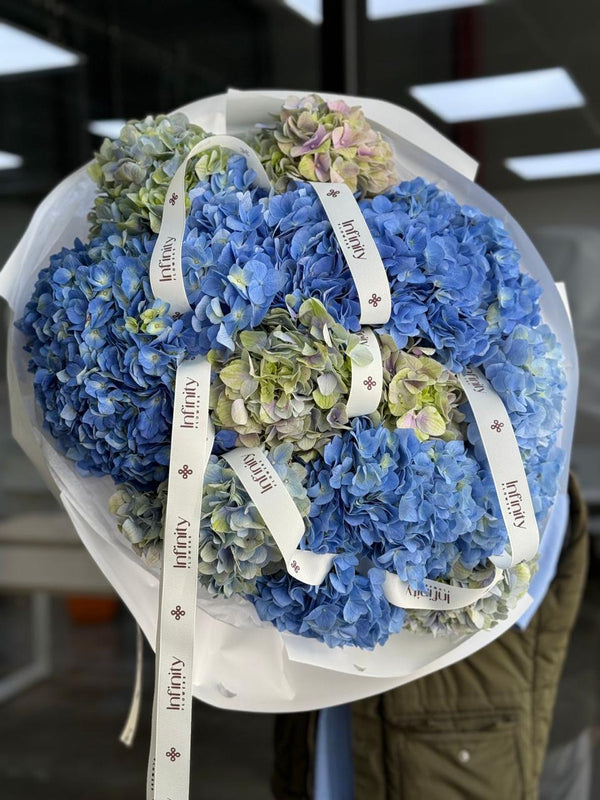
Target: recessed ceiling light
x=10, y=160
x=311, y=10
x=111, y=128
x=556, y=165
x=22, y=52
x=383, y=9
x=501, y=95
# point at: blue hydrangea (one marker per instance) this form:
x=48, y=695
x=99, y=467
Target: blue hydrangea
x=382, y=498
x=409, y=506
x=453, y=271
x=348, y=608
x=354, y=488
x=309, y=257
x=526, y=371
x=104, y=355
x=437, y=510
x=104, y=351
x=228, y=256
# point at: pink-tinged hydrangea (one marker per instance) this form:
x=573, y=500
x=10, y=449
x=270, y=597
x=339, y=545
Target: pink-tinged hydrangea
x=316, y=140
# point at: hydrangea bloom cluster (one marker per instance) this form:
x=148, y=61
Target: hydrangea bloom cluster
x=287, y=381
x=406, y=490
x=104, y=355
x=406, y=505
x=347, y=609
x=416, y=509
x=228, y=256
x=140, y=518
x=453, y=271
x=235, y=547
x=316, y=140
x=133, y=172
x=104, y=351
x=419, y=393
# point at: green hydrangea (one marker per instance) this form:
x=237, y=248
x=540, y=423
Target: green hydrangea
x=288, y=381
x=133, y=172
x=235, y=546
x=316, y=140
x=419, y=393
x=140, y=519
x=485, y=613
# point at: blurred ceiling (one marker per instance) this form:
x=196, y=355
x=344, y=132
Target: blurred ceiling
x=145, y=56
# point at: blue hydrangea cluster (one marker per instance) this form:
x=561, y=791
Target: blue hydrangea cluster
x=453, y=271
x=104, y=355
x=349, y=608
x=384, y=498
x=104, y=352
x=228, y=256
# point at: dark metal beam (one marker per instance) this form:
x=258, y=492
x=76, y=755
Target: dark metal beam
x=342, y=45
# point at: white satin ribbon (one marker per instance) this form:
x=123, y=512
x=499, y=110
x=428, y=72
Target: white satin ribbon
x=502, y=451
x=367, y=380
x=166, y=275
x=360, y=251
x=169, y=765
x=275, y=505
x=131, y=723
x=436, y=596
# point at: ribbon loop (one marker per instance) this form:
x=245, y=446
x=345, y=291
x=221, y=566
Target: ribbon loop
x=274, y=503
x=166, y=275
x=436, y=596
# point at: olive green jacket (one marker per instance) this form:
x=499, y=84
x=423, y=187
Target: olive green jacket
x=476, y=730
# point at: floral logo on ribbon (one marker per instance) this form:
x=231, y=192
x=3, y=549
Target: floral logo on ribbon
x=497, y=426
x=374, y=300
x=370, y=383
x=172, y=754
x=177, y=612
x=185, y=472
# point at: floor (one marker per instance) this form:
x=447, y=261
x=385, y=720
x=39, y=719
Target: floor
x=59, y=739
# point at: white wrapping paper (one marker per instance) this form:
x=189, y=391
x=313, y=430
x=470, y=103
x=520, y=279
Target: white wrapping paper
x=240, y=662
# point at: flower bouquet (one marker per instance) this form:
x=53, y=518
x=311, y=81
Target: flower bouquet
x=373, y=368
